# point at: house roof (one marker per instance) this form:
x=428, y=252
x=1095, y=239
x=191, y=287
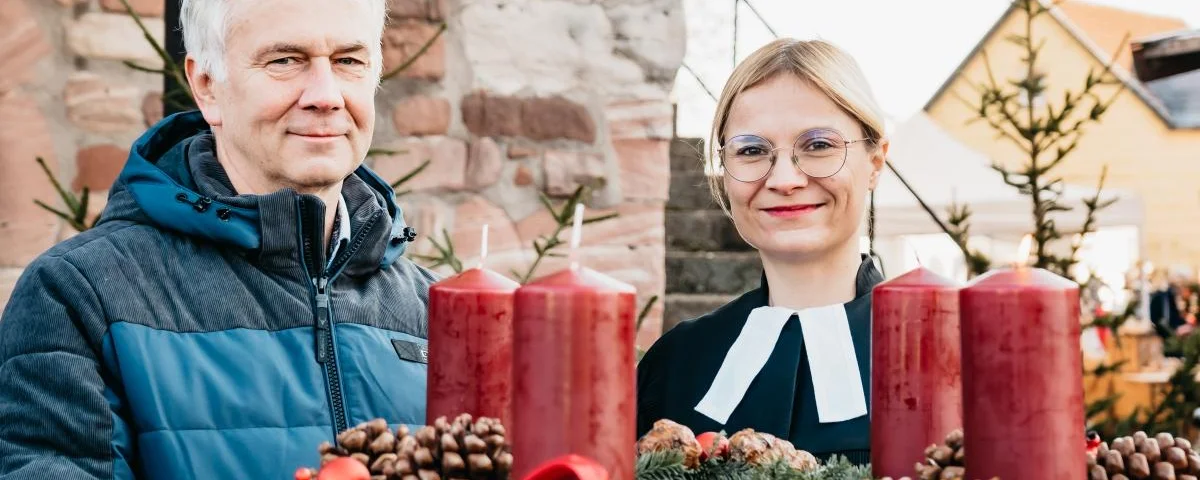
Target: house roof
x=1105, y=26
x=1099, y=29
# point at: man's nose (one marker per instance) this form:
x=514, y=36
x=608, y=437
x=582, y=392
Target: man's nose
x=321, y=89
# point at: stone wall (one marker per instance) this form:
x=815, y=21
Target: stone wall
x=516, y=98
x=65, y=96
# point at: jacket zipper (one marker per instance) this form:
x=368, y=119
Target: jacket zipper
x=326, y=355
x=313, y=256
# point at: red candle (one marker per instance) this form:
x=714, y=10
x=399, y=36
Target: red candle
x=470, y=346
x=916, y=394
x=1022, y=376
x=574, y=372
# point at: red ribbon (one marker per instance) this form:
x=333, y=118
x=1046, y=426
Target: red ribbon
x=569, y=467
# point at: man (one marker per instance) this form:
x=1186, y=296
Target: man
x=243, y=297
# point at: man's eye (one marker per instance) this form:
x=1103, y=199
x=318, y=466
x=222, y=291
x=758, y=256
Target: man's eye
x=350, y=61
x=284, y=61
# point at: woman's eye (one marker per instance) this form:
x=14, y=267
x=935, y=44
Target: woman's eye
x=751, y=150
x=819, y=144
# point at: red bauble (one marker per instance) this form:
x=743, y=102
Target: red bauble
x=305, y=473
x=344, y=468
x=712, y=444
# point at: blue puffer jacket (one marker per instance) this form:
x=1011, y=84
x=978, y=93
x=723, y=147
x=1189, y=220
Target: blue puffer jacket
x=199, y=334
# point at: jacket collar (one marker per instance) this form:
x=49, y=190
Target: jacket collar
x=173, y=181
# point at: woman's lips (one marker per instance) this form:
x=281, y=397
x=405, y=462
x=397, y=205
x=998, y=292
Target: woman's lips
x=792, y=211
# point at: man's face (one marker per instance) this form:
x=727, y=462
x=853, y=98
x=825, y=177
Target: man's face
x=297, y=107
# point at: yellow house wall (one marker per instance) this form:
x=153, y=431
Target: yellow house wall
x=1143, y=155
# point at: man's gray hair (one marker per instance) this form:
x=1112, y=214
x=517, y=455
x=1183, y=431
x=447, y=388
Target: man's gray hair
x=205, y=25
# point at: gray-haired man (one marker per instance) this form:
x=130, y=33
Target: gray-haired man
x=243, y=296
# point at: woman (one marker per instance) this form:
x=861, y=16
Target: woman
x=800, y=139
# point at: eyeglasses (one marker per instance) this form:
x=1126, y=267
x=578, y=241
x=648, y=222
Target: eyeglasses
x=819, y=153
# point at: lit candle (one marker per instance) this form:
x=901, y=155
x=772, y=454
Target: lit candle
x=1022, y=375
x=470, y=344
x=916, y=394
x=574, y=369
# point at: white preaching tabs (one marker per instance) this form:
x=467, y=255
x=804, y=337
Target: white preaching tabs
x=745, y=359
x=833, y=365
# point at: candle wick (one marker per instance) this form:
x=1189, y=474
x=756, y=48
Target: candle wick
x=576, y=234
x=483, y=247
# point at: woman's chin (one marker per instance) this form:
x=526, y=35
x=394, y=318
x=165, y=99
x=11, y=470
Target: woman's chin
x=805, y=243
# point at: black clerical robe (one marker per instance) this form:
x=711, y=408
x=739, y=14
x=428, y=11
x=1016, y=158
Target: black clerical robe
x=679, y=368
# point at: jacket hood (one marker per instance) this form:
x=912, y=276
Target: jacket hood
x=173, y=182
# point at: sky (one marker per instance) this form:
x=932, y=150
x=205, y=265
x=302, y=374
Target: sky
x=905, y=53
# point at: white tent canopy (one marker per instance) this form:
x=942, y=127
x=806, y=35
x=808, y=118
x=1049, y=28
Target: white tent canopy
x=943, y=170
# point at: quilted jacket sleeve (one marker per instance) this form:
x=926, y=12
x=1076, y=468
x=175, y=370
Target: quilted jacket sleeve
x=58, y=405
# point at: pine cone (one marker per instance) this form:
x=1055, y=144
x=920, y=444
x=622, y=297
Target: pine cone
x=453, y=450
x=1140, y=456
x=759, y=449
x=750, y=447
x=798, y=460
x=945, y=461
x=668, y=435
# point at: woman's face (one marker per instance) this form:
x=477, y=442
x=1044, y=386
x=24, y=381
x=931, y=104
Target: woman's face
x=788, y=213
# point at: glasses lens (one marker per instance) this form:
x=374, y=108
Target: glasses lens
x=747, y=158
x=820, y=152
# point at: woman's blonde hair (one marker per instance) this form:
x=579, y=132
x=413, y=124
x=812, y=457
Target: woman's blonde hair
x=823, y=65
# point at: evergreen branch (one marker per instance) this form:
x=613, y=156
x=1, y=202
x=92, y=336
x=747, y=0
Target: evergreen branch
x=446, y=255
x=1090, y=83
x=81, y=213
x=76, y=212
x=644, y=313
x=1001, y=102
x=600, y=218
x=1007, y=176
x=66, y=197
x=411, y=60
x=1101, y=405
x=1092, y=205
x=662, y=465
x=960, y=226
x=140, y=68
x=69, y=218
x=1103, y=370
x=169, y=65
x=383, y=151
x=564, y=218
x=409, y=176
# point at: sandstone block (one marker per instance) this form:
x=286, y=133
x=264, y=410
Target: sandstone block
x=114, y=36
x=446, y=170
x=403, y=40
x=97, y=166
x=422, y=115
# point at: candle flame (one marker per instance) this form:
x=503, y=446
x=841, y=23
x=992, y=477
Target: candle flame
x=576, y=234
x=1024, y=249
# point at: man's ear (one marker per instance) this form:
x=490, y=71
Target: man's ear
x=202, y=86
x=877, y=161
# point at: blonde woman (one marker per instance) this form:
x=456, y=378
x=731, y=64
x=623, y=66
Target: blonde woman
x=800, y=140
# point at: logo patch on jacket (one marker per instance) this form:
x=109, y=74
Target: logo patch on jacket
x=413, y=352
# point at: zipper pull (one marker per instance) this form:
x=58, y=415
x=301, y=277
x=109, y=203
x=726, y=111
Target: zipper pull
x=322, y=320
